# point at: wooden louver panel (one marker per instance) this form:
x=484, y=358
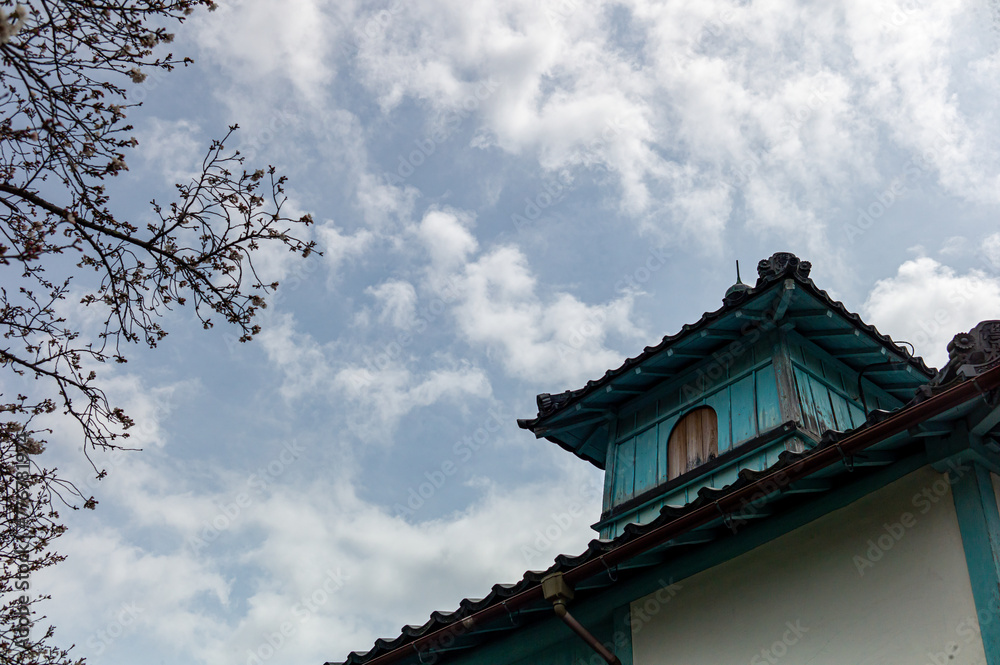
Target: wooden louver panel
x=693, y=441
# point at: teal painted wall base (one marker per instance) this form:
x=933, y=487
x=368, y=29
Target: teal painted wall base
x=979, y=522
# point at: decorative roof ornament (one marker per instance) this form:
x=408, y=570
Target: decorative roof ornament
x=782, y=263
x=548, y=403
x=971, y=353
x=737, y=291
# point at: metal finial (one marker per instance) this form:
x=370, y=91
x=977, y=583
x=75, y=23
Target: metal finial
x=739, y=286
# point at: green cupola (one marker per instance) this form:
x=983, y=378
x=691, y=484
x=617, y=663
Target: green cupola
x=775, y=367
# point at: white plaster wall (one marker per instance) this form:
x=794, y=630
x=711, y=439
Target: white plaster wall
x=908, y=603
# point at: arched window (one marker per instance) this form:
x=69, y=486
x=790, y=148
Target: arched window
x=693, y=441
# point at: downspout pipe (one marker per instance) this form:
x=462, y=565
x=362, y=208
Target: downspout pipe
x=556, y=590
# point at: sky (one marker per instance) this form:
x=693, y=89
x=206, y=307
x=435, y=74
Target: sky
x=511, y=197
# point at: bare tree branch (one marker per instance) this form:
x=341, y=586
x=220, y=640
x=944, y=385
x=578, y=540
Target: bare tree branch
x=64, y=65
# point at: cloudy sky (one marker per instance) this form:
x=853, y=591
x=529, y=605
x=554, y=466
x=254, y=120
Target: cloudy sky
x=511, y=197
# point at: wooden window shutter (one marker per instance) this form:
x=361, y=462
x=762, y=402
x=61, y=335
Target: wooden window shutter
x=693, y=441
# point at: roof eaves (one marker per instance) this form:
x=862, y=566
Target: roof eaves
x=636, y=539
x=771, y=271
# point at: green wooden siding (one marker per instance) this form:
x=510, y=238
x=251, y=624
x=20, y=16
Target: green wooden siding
x=743, y=408
x=719, y=401
x=662, y=438
x=757, y=460
x=828, y=391
x=746, y=407
x=645, y=460
x=624, y=485
x=768, y=406
x=783, y=377
x=745, y=394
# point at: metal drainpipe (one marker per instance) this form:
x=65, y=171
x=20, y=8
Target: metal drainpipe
x=556, y=589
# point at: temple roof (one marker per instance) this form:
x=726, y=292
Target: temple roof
x=784, y=294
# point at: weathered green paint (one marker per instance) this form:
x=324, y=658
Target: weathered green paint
x=980, y=527
x=842, y=412
x=722, y=476
x=645, y=416
x=645, y=460
x=788, y=402
x=781, y=377
x=835, y=384
x=663, y=437
x=736, y=406
x=624, y=470
x=824, y=407
x=743, y=409
x=991, y=513
x=742, y=390
x=609, y=465
x=768, y=406
x=720, y=402
x=810, y=416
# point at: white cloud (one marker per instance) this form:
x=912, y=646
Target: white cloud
x=556, y=341
x=148, y=406
x=908, y=57
x=372, y=386
x=695, y=115
x=298, y=356
x=495, y=302
x=325, y=567
x=255, y=40
x=445, y=233
x=927, y=303
x=104, y=565
x=396, y=571
x=173, y=148
x=381, y=390
x=398, y=300
x=381, y=203
x=338, y=248
x=991, y=251
x=954, y=246
x=340, y=137
x=687, y=104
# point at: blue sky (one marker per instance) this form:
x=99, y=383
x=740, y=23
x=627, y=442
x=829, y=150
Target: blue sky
x=511, y=197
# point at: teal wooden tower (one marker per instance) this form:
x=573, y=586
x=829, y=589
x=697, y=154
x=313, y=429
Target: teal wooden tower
x=771, y=370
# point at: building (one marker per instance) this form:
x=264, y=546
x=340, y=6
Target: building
x=783, y=483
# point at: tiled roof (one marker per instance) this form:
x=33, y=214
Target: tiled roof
x=882, y=440
x=779, y=267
